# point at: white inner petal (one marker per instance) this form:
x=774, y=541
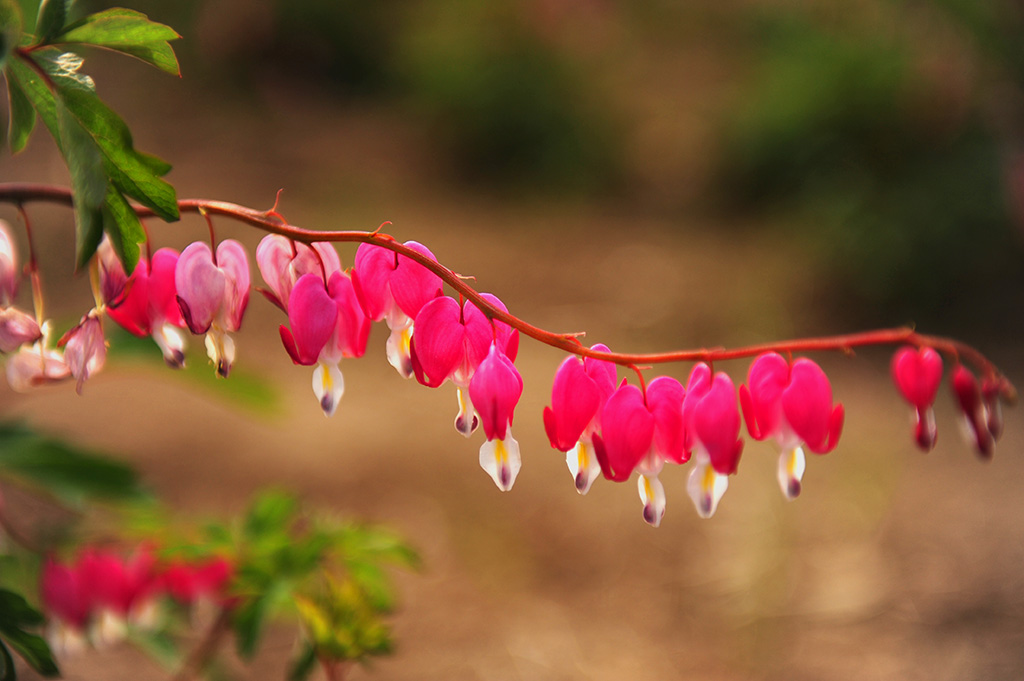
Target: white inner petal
x=501, y=460
x=583, y=465
x=791, y=471
x=706, y=487
x=328, y=386
x=652, y=494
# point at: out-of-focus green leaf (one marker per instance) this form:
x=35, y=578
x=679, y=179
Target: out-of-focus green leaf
x=53, y=14
x=88, y=182
x=159, y=645
x=38, y=94
x=126, y=31
x=10, y=29
x=7, y=672
x=272, y=512
x=33, y=649
x=23, y=117
x=16, y=612
x=302, y=666
x=248, y=624
x=72, y=475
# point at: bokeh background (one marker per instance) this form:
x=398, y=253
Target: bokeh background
x=661, y=175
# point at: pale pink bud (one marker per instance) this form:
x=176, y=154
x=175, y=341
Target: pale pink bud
x=8, y=266
x=969, y=400
x=32, y=366
x=17, y=328
x=282, y=262
x=85, y=350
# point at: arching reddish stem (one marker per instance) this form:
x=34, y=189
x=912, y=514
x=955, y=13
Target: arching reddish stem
x=270, y=221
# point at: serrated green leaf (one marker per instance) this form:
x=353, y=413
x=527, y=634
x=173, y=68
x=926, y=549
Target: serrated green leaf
x=15, y=612
x=7, y=671
x=88, y=182
x=72, y=475
x=53, y=14
x=10, y=29
x=34, y=650
x=129, y=32
x=132, y=175
x=123, y=226
x=23, y=117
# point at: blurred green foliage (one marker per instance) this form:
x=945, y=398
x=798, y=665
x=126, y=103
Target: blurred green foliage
x=881, y=146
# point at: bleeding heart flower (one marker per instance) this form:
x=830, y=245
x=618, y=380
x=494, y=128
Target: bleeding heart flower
x=146, y=303
x=495, y=390
x=581, y=389
x=450, y=342
x=972, y=407
x=282, y=262
x=917, y=374
x=9, y=273
x=394, y=288
x=711, y=421
x=213, y=295
x=66, y=598
x=793, y=405
x=85, y=349
x=35, y=365
x=327, y=324
x=17, y=328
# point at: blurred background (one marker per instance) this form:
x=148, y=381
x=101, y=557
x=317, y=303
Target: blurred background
x=661, y=175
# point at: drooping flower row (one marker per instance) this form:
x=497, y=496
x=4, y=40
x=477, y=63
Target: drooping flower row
x=100, y=595
x=605, y=428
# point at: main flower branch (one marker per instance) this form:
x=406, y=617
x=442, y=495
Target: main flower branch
x=604, y=427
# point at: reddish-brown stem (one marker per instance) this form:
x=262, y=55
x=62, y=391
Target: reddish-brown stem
x=567, y=342
x=204, y=651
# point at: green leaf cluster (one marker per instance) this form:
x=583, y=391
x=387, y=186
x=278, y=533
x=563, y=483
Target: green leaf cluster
x=45, y=82
x=330, y=575
x=16, y=617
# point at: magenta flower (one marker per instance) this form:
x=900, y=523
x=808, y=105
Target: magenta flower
x=641, y=432
x=120, y=592
x=917, y=374
x=578, y=395
x=67, y=601
x=146, y=303
x=327, y=324
x=9, y=273
x=17, y=328
x=85, y=349
x=394, y=288
x=793, y=405
x=711, y=422
x=495, y=390
x=213, y=295
x=282, y=262
x=192, y=583
x=972, y=408
x=450, y=342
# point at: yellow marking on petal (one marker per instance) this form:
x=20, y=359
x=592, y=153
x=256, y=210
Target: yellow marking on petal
x=583, y=457
x=406, y=342
x=462, y=400
x=327, y=380
x=791, y=464
x=708, y=483
x=648, y=492
x=500, y=453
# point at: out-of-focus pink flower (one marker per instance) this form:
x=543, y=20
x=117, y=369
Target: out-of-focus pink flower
x=450, y=342
x=189, y=583
x=641, y=431
x=793, y=405
x=120, y=591
x=17, y=328
x=972, y=407
x=66, y=600
x=495, y=390
x=213, y=296
x=711, y=420
x=85, y=349
x=282, y=262
x=9, y=273
x=917, y=374
x=578, y=395
x=327, y=324
x=146, y=303
x=36, y=365
x=394, y=288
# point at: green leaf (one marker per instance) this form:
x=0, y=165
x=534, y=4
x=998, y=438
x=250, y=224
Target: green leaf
x=88, y=182
x=129, y=32
x=37, y=92
x=15, y=612
x=34, y=650
x=53, y=14
x=248, y=624
x=71, y=474
x=23, y=116
x=302, y=666
x=10, y=29
x=130, y=173
x=124, y=227
x=272, y=512
x=64, y=68
x=7, y=672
